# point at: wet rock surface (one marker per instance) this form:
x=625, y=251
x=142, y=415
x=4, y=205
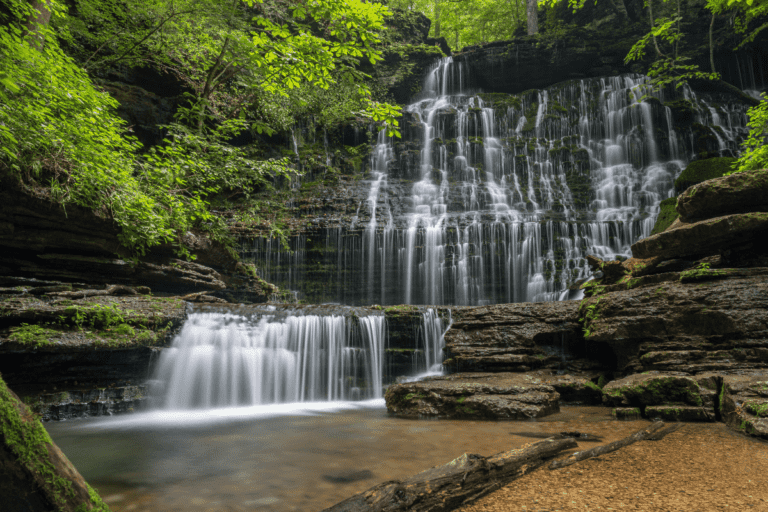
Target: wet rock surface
x=474, y=395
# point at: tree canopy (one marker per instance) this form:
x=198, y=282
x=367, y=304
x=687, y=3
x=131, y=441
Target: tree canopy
x=244, y=65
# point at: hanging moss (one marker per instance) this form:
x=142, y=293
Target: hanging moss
x=702, y=170
x=667, y=215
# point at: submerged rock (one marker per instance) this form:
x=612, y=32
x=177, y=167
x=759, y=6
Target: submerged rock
x=474, y=395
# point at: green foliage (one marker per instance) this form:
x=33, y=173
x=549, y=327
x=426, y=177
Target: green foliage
x=469, y=22
x=755, y=147
x=667, y=215
x=701, y=273
x=34, y=335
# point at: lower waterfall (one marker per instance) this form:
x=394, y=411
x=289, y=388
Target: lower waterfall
x=271, y=356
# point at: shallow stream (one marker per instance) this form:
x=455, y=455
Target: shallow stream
x=286, y=457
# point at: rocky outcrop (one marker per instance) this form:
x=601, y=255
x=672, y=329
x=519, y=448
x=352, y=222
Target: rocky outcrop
x=737, y=193
x=511, y=337
x=35, y=476
x=744, y=403
x=511, y=396
x=718, y=320
x=43, y=240
x=704, y=237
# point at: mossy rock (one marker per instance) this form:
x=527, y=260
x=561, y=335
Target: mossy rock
x=652, y=389
x=667, y=215
x=34, y=474
x=702, y=170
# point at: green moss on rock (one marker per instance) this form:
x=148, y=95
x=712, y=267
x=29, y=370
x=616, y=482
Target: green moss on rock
x=48, y=472
x=703, y=170
x=667, y=215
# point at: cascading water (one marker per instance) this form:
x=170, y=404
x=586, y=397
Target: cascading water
x=269, y=356
x=507, y=194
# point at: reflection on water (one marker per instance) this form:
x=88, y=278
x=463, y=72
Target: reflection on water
x=285, y=457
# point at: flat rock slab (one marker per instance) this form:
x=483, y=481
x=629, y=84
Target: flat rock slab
x=740, y=192
x=679, y=413
x=704, y=237
x=511, y=396
x=744, y=403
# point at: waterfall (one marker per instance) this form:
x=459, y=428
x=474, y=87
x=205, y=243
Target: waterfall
x=492, y=198
x=226, y=359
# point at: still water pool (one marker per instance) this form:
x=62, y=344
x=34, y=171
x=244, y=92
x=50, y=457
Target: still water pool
x=285, y=457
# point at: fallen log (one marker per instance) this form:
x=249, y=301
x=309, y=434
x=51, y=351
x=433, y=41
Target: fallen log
x=661, y=434
x=607, y=448
x=456, y=483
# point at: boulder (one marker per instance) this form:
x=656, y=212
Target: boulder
x=510, y=337
x=641, y=390
x=679, y=413
x=497, y=396
x=34, y=474
x=744, y=403
x=627, y=413
x=740, y=192
x=705, y=237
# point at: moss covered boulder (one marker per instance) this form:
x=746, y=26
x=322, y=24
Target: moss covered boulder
x=744, y=403
x=34, y=474
x=653, y=388
x=702, y=170
x=575, y=390
x=510, y=396
x=741, y=192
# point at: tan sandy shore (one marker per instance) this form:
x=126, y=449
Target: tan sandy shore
x=701, y=467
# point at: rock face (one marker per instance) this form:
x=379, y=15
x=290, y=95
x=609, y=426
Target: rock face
x=34, y=474
x=510, y=396
x=511, y=337
x=718, y=321
x=744, y=403
x=42, y=240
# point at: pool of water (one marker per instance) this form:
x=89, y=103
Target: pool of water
x=285, y=457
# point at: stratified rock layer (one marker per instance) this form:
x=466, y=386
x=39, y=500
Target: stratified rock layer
x=717, y=323
x=509, y=337
x=511, y=396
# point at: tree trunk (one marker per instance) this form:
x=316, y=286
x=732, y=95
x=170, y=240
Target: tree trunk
x=455, y=484
x=533, y=19
x=650, y=15
x=34, y=22
x=437, y=18
x=712, y=44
